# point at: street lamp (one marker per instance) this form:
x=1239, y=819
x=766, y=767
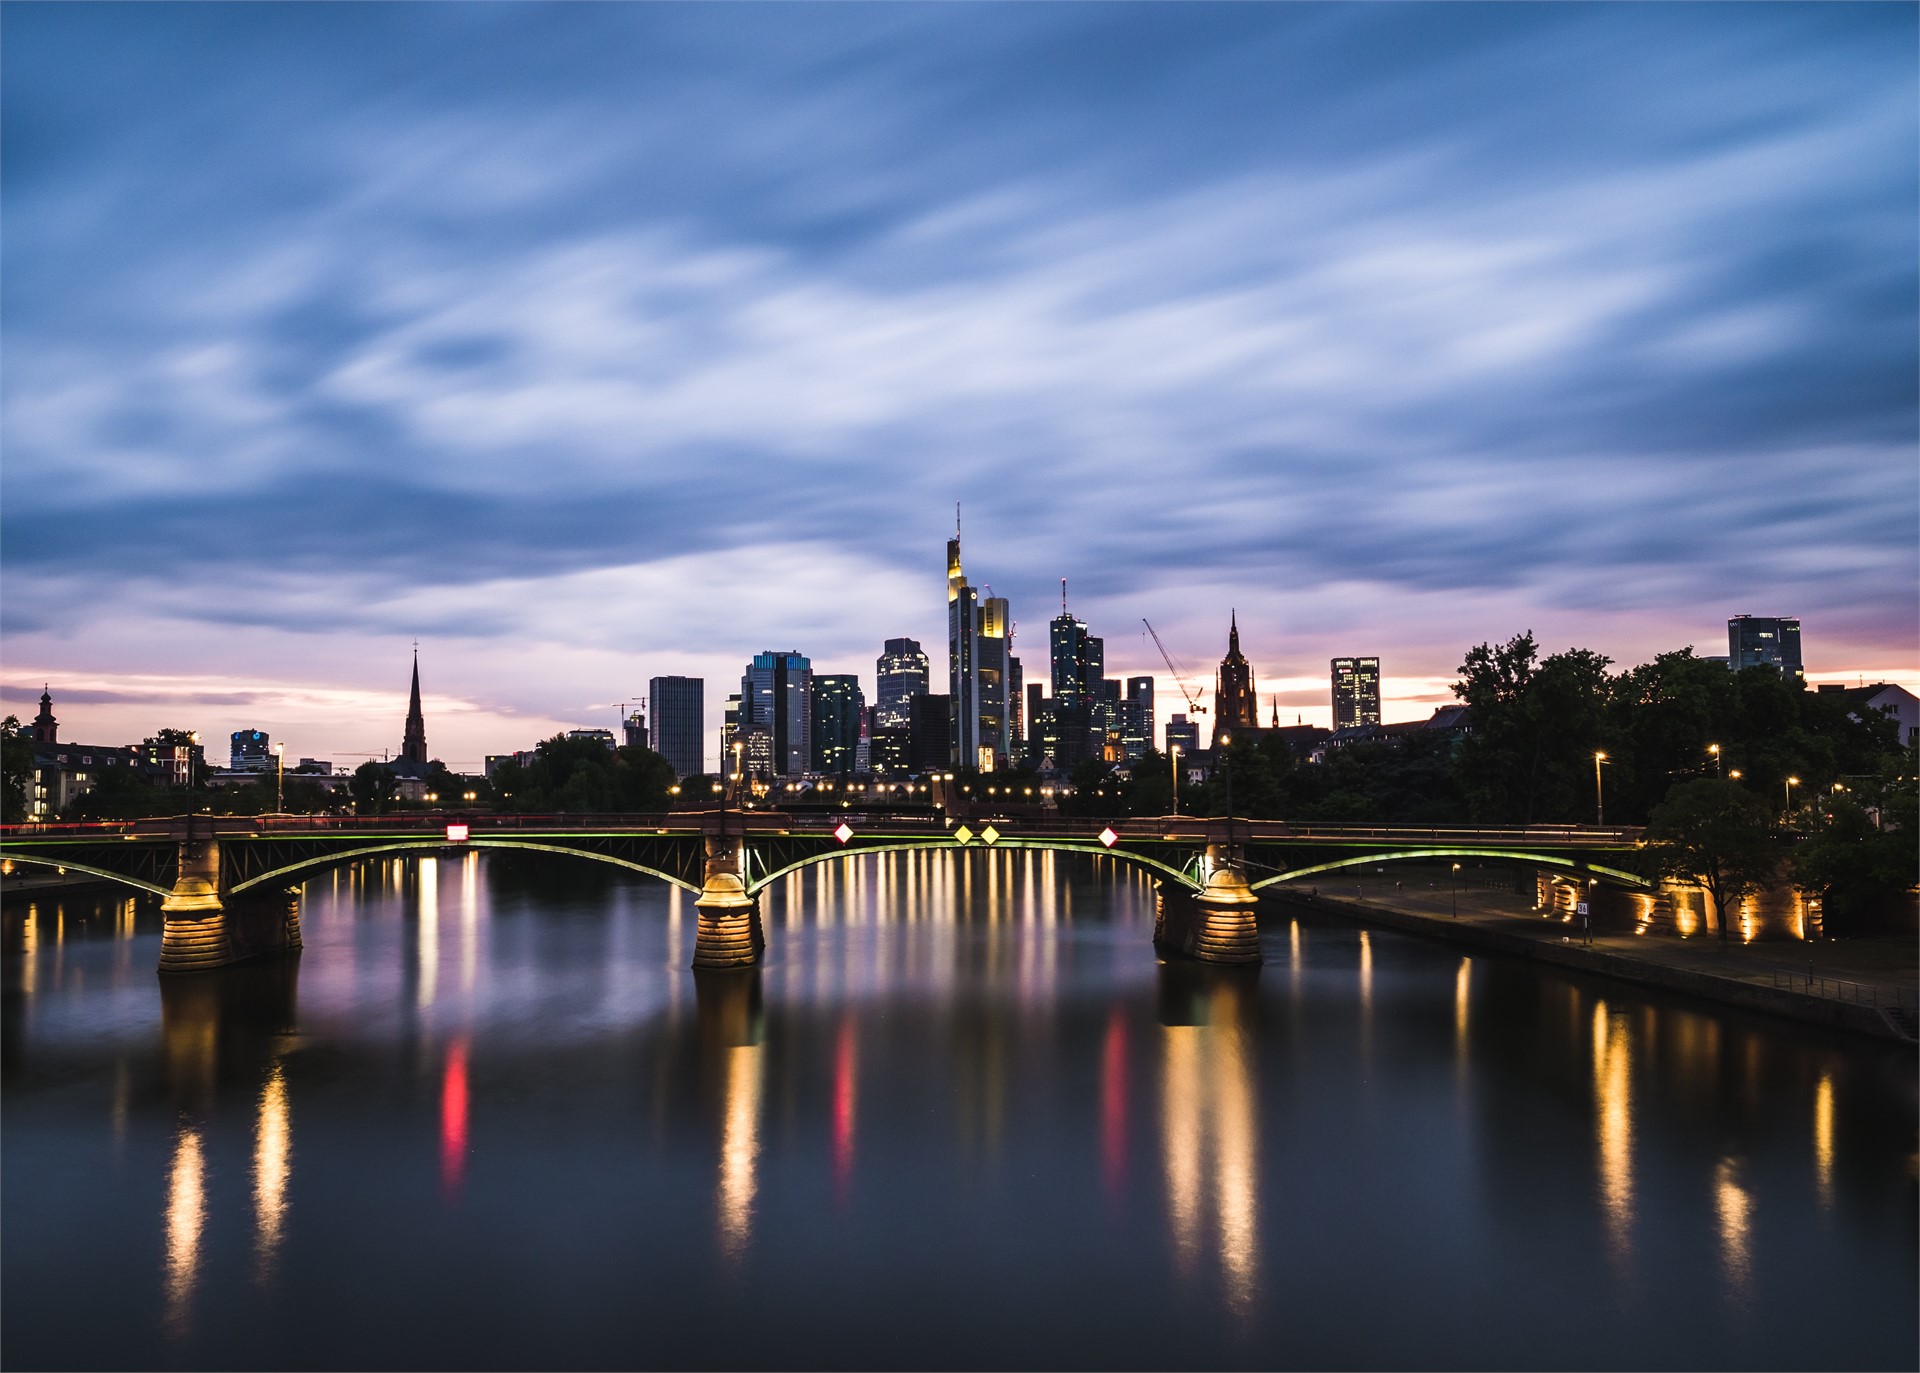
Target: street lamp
x=1599, y=798
x=1173, y=759
x=1735, y=774
x=1714, y=749
x=1792, y=782
x=1456, y=891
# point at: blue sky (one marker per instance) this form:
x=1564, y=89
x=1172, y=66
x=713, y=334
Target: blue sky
x=588, y=343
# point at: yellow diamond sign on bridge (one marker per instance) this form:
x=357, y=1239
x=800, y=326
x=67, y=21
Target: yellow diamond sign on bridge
x=963, y=834
x=989, y=834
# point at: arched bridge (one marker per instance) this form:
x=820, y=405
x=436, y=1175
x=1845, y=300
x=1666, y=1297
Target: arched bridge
x=226, y=882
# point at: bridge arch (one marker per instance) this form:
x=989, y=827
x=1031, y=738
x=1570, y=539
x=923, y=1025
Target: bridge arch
x=67, y=865
x=1617, y=876
x=279, y=876
x=945, y=844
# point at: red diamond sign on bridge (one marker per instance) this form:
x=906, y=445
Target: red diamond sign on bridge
x=844, y=833
x=1107, y=836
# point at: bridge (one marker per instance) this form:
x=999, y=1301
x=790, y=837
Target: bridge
x=229, y=884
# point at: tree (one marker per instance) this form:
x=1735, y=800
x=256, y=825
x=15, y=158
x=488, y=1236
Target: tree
x=372, y=788
x=1536, y=726
x=1856, y=860
x=16, y=770
x=1714, y=835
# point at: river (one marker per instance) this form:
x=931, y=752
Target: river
x=961, y=1117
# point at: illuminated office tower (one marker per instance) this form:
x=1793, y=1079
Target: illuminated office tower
x=838, y=704
x=776, y=695
x=1136, y=719
x=1356, y=692
x=900, y=674
x=963, y=662
x=1757, y=640
x=993, y=659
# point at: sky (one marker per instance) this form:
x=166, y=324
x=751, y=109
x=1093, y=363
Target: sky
x=585, y=344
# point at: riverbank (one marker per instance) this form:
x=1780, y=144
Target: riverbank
x=1865, y=986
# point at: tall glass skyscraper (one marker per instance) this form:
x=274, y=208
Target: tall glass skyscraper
x=963, y=661
x=1356, y=692
x=776, y=696
x=837, y=706
x=677, y=708
x=900, y=674
x=994, y=667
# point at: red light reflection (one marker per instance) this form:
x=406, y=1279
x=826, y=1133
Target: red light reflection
x=453, y=1120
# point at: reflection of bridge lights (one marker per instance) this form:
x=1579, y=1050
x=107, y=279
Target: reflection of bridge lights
x=1823, y=1138
x=186, y=1214
x=272, y=1150
x=1735, y=1208
x=739, y=1149
x=1613, y=1111
x=453, y=1120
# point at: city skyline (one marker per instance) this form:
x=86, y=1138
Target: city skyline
x=1601, y=350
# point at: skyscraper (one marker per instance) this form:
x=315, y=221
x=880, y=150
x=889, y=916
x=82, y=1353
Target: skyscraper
x=633, y=730
x=994, y=666
x=1136, y=717
x=729, y=734
x=1183, y=734
x=1075, y=728
x=838, y=704
x=1356, y=692
x=900, y=674
x=776, y=695
x=963, y=664
x=1235, y=704
x=929, y=743
x=413, y=747
x=1754, y=640
x=677, y=707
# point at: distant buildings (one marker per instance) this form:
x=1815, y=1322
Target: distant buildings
x=249, y=751
x=677, y=707
x=1881, y=698
x=776, y=700
x=633, y=730
x=838, y=704
x=1183, y=734
x=1356, y=692
x=1136, y=719
x=1753, y=640
x=62, y=773
x=928, y=725
x=602, y=737
x=900, y=674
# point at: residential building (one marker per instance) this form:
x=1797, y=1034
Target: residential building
x=1883, y=698
x=1356, y=692
x=776, y=695
x=900, y=674
x=677, y=712
x=62, y=773
x=1756, y=640
x=838, y=704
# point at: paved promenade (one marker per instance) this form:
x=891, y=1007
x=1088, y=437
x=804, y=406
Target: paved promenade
x=1872, y=985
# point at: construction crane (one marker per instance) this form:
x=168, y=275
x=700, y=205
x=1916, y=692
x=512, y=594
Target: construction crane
x=1179, y=678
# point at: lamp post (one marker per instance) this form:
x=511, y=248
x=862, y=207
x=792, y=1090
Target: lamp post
x=280, y=779
x=1792, y=782
x=1714, y=749
x=1599, y=796
x=1456, y=891
x=1173, y=761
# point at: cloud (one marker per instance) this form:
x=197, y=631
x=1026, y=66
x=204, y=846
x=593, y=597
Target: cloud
x=1578, y=313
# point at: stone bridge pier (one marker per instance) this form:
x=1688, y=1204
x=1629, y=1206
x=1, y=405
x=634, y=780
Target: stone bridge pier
x=728, y=934
x=1215, y=924
x=207, y=926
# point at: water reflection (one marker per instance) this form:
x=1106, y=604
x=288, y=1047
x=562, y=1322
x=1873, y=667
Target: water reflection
x=453, y=1119
x=429, y=922
x=729, y=1010
x=272, y=1153
x=1208, y=1124
x=1613, y=1115
x=186, y=1215
x=1823, y=1139
x=1735, y=1207
x=1113, y=1105
x=846, y=1078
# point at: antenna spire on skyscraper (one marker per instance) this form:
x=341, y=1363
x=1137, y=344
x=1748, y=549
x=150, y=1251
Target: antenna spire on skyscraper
x=1063, y=595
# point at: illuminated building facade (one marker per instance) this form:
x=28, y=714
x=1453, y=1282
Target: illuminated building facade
x=1356, y=692
x=249, y=751
x=1764, y=640
x=776, y=695
x=963, y=661
x=901, y=672
x=993, y=669
x=677, y=708
x=838, y=704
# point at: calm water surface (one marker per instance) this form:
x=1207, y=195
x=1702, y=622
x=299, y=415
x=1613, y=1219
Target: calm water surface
x=961, y=1117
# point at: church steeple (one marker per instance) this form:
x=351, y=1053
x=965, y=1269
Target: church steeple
x=1236, y=706
x=414, y=747
x=46, y=729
